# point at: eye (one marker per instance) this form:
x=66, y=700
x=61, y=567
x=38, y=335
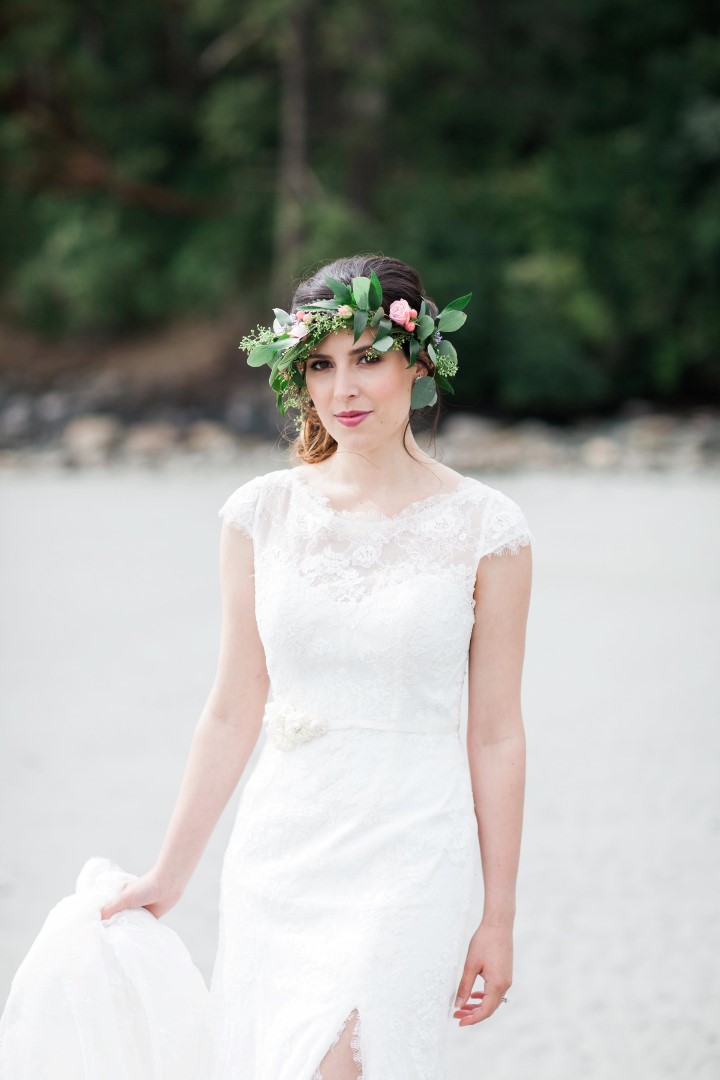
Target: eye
x=315, y=365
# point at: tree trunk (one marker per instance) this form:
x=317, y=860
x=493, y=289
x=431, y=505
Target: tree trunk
x=292, y=165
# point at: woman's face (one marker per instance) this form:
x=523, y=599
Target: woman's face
x=341, y=379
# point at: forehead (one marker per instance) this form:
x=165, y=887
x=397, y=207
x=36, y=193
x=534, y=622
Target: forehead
x=340, y=343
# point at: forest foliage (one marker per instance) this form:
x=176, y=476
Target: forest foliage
x=558, y=158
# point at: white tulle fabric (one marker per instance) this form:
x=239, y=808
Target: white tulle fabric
x=113, y=1000
x=346, y=883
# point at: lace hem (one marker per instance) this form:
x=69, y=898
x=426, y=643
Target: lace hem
x=512, y=547
x=355, y=1047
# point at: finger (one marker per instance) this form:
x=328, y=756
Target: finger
x=469, y=1006
x=491, y=1000
x=118, y=904
x=466, y=984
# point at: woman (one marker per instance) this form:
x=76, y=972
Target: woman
x=358, y=588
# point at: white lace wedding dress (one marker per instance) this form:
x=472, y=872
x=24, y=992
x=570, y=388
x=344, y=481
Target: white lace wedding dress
x=346, y=883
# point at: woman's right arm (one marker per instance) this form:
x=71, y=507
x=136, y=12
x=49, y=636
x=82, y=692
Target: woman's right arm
x=224, y=737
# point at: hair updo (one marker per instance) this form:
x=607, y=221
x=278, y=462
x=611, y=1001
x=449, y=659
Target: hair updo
x=398, y=281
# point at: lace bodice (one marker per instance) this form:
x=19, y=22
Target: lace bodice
x=366, y=618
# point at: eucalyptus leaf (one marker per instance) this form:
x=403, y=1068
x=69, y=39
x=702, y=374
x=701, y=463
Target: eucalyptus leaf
x=377, y=317
x=422, y=310
x=360, y=319
x=425, y=327
x=423, y=392
x=459, y=304
x=451, y=320
x=282, y=316
x=414, y=349
x=446, y=348
x=261, y=354
x=386, y=325
x=443, y=383
x=375, y=291
x=382, y=344
x=361, y=290
x=340, y=290
x=323, y=305
x=431, y=352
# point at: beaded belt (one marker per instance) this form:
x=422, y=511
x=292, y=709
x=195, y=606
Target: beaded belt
x=287, y=726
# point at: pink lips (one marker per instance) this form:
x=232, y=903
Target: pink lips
x=351, y=419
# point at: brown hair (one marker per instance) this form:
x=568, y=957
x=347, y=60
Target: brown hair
x=398, y=281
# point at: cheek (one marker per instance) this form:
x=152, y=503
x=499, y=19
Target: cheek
x=393, y=383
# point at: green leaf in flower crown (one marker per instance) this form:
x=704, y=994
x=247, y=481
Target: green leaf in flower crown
x=422, y=310
x=424, y=327
x=375, y=291
x=340, y=290
x=443, y=383
x=446, y=348
x=261, y=354
x=282, y=316
x=377, y=317
x=382, y=344
x=386, y=325
x=459, y=304
x=424, y=392
x=324, y=305
x=414, y=349
x=451, y=320
x=431, y=352
x=361, y=290
x=360, y=319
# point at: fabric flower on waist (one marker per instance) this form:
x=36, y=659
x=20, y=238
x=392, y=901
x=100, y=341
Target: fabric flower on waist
x=287, y=726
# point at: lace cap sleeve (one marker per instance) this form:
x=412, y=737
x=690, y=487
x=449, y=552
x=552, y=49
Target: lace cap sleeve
x=505, y=528
x=239, y=509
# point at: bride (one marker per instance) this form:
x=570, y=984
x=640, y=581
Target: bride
x=360, y=587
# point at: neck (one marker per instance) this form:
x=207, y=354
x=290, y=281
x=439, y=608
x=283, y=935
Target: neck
x=389, y=466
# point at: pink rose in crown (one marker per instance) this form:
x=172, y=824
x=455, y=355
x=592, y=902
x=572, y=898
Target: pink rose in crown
x=399, y=311
x=344, y=311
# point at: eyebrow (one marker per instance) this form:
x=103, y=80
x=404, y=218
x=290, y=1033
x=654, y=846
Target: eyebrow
x=324, y=356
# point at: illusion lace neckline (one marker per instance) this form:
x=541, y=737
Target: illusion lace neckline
x=413, y=507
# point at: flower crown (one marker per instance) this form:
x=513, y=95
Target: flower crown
x=286, y=345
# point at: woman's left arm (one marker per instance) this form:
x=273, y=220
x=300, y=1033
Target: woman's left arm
x=496, y=756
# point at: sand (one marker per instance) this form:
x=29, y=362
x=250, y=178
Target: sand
x=109, y=634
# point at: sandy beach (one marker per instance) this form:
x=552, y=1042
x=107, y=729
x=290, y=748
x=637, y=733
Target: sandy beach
x=110, y=630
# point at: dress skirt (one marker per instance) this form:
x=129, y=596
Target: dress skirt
x=345, y=886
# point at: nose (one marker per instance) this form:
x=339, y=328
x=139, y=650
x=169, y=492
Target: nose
x=345, y=382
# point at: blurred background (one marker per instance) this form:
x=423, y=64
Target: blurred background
x=170, y=170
